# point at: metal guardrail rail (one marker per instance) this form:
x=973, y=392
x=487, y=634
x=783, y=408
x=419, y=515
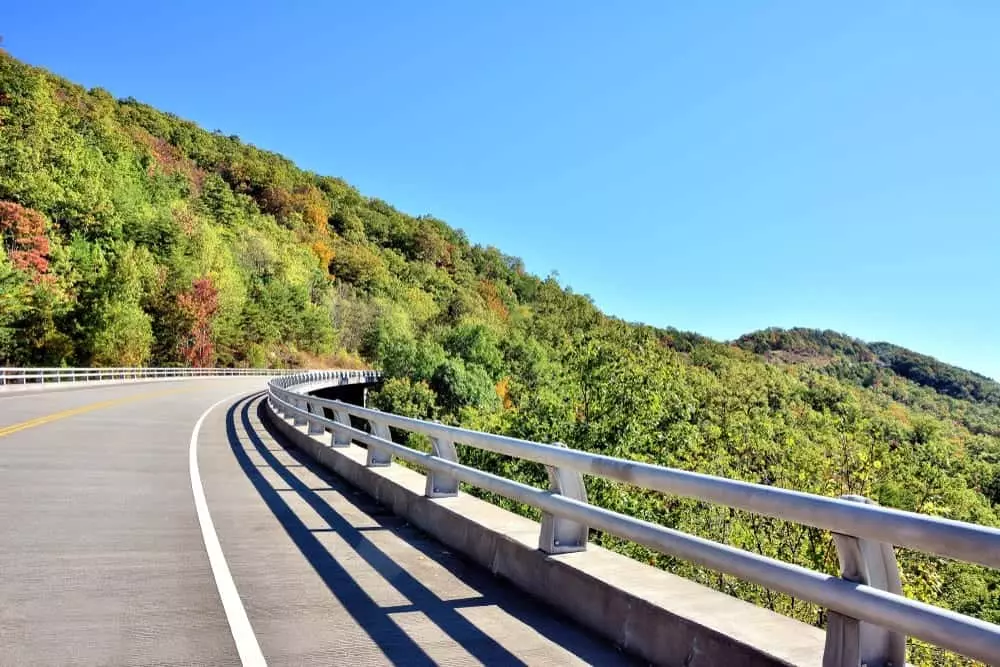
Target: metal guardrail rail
x=868, y=617
x=21, y=376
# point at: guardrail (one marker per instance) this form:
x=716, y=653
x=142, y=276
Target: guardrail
x=868, y=617
x=20, y=376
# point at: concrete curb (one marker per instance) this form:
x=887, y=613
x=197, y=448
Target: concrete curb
x=650, y=613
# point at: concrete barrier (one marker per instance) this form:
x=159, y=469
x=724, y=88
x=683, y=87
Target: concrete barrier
x=650, y=613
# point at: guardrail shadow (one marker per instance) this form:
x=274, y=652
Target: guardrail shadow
x=377, y=621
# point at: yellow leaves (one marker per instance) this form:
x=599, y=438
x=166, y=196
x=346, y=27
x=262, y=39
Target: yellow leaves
x=315, y=216
x=899, y=413
x=421, y=305
x=503, y=392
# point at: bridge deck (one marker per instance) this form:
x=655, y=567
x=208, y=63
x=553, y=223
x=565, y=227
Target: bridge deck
x=102, y=560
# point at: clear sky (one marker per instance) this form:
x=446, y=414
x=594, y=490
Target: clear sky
x=719, y=167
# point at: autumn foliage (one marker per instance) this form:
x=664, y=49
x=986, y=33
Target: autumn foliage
x=488, y=290
x=315, y=209
x=198, y=306
x=23, y=233
x=323, y=251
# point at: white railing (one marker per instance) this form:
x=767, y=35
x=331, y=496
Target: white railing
x=868, y=617
x=44, y=376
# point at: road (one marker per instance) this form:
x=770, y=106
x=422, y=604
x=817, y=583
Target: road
x=108, y=556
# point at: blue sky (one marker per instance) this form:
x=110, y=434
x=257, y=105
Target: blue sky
x=720, y=168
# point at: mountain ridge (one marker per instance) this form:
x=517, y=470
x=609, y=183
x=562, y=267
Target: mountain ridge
x=922, y=369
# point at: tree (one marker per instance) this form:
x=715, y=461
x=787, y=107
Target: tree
x=197, y=307
x=23, y=232
x=125, y=336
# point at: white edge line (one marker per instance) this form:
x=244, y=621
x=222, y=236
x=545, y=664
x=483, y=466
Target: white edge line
x=239, y=623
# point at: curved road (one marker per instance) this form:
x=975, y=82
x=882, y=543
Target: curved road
x=103, y=559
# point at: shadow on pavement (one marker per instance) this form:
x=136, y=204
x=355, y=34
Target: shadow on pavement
x=398, y=646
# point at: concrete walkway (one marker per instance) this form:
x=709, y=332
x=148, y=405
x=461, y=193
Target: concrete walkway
x=102, y=560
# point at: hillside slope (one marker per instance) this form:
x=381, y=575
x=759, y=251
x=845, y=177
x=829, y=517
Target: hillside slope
x=815, y=346
x=131, y=236
x=908, y=377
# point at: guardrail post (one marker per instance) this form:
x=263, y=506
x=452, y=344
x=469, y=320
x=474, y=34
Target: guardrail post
x=378, y=457
x=340, y=438
x=441, y=485
x=854, y=643
x=315, y=426
x=560, y=536
x=299, y=419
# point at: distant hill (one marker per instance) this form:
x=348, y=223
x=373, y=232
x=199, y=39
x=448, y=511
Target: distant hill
x=825, y=347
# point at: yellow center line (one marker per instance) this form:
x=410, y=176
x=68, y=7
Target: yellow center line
x=55, y=416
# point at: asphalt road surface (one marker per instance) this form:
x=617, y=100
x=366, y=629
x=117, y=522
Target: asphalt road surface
x=128, y=538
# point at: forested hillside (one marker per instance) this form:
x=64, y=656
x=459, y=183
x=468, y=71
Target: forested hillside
x=131, y=236
x=913, y=379
x=875, y=360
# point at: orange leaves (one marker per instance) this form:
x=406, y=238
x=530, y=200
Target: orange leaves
x=315, y=208
x=488, y=290
x=503, y=391
x=324, y=252
x=23, y=231
x=308, y=201
x=315, y=216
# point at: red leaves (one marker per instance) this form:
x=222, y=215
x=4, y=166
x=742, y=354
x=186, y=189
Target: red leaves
x=198, y=306
x=23, y=233
x=168, y=158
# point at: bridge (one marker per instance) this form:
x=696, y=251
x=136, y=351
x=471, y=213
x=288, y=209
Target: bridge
x=225, y=517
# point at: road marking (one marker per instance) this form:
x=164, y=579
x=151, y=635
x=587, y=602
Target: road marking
x=55, y=416
x=68, y=387
x=239, y=624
